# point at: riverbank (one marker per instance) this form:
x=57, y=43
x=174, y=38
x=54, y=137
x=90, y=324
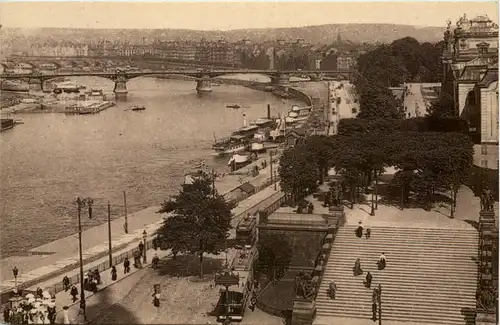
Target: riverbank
x=95, y=240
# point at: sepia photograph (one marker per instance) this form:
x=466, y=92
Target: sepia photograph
x=253, y=163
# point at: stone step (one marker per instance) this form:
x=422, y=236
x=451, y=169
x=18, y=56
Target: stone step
x=396, y=267
x=395, y=305
x=398, y=279
x=403, y=254
x=351, y=236
x=465, y=289
x=407, y=241
x=394, y=292
x=412, y=230
x=449, y=319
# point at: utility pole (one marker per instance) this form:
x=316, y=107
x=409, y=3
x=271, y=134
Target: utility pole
x=271, y=166
x=110, y=248
x=82, y=204
x=125, y=226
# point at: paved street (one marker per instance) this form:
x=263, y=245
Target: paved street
x=68, y=246
x=414, y=101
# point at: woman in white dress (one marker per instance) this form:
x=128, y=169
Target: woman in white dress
x=65, y=315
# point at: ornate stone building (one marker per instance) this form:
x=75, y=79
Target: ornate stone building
x=470, y=70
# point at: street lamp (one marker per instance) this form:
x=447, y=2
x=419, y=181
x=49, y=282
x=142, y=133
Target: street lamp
x=379, y=304
x=15, y=272
x=144, y=235
x=82, y=203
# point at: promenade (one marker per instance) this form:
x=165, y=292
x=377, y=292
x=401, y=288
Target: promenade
x=123, y=285
x=62, y=255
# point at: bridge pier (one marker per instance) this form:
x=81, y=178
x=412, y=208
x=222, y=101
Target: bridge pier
x=35, y=85
x=120, y=89
x=281, y=79
x=203, y=85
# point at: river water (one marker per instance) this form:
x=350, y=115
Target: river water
x=53, y=158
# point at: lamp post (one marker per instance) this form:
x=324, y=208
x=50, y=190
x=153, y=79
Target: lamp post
x=82, y=203
x=144, y=235
x=379, y=304
x=275, y=179
x=15, y=272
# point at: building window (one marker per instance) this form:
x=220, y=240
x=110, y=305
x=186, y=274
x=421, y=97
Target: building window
x=484, y=163
x=484, y=149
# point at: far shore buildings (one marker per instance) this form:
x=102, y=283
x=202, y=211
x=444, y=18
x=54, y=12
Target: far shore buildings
x=279, y=54
x=470, y=70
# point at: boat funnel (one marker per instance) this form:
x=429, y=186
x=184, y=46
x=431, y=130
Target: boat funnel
x=268, y=111
x=244, y=120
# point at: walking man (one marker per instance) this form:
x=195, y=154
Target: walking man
x=126, y=265
x=368, y=282
x=73, y=293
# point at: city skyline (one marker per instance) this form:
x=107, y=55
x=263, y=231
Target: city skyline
x=231, y=15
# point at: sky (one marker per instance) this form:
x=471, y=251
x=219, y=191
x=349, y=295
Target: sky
x=234, y=15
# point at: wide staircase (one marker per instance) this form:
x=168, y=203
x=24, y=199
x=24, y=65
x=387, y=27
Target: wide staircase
x=430, y=276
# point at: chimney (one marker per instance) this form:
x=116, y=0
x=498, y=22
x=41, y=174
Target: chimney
x=268, y=111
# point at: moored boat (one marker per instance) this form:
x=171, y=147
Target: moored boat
x=6, y=124
x=238, y=161
x=138, y=108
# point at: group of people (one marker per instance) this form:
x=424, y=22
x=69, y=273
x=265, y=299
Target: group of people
x=357, y=270
x=33, y=309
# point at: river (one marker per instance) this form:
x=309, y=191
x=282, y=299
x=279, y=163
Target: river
x=53, y=158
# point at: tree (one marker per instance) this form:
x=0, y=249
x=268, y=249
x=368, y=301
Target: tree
x=275, y=255
x=443, y=107
x=320, y=147
x=298, y=172
x=200, y=220
x=376, y=102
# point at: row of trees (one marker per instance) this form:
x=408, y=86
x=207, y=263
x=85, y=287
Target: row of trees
x=427, y=162
x=405, y=60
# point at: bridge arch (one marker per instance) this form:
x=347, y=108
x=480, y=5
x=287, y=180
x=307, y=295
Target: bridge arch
x=254, y=77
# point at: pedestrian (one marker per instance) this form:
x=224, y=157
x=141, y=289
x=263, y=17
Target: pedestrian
x=381, y=262
x=374, y=311
x=141, y=247
x=39, y=292
x=65, y=282
x=73, y=293
x=368, y=281
x=97, y=276
x=155, y=261
x=357, y=268
x=65, y=315
x=368, y=233
x=113, y=273
x=126, y=265
x=156, y=299
x=93, y=284
x=332, y=290
x=359, y=230
x=6, y=314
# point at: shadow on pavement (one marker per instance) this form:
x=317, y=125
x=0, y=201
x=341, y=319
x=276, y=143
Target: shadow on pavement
x=107, y=312
x=469, y=315
x=187, y=265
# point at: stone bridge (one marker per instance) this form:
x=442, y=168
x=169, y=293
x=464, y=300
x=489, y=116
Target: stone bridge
x=202, y=77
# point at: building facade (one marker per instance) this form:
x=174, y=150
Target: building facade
x=470, y=70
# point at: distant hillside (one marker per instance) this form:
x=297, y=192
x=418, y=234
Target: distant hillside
x=323, y=34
